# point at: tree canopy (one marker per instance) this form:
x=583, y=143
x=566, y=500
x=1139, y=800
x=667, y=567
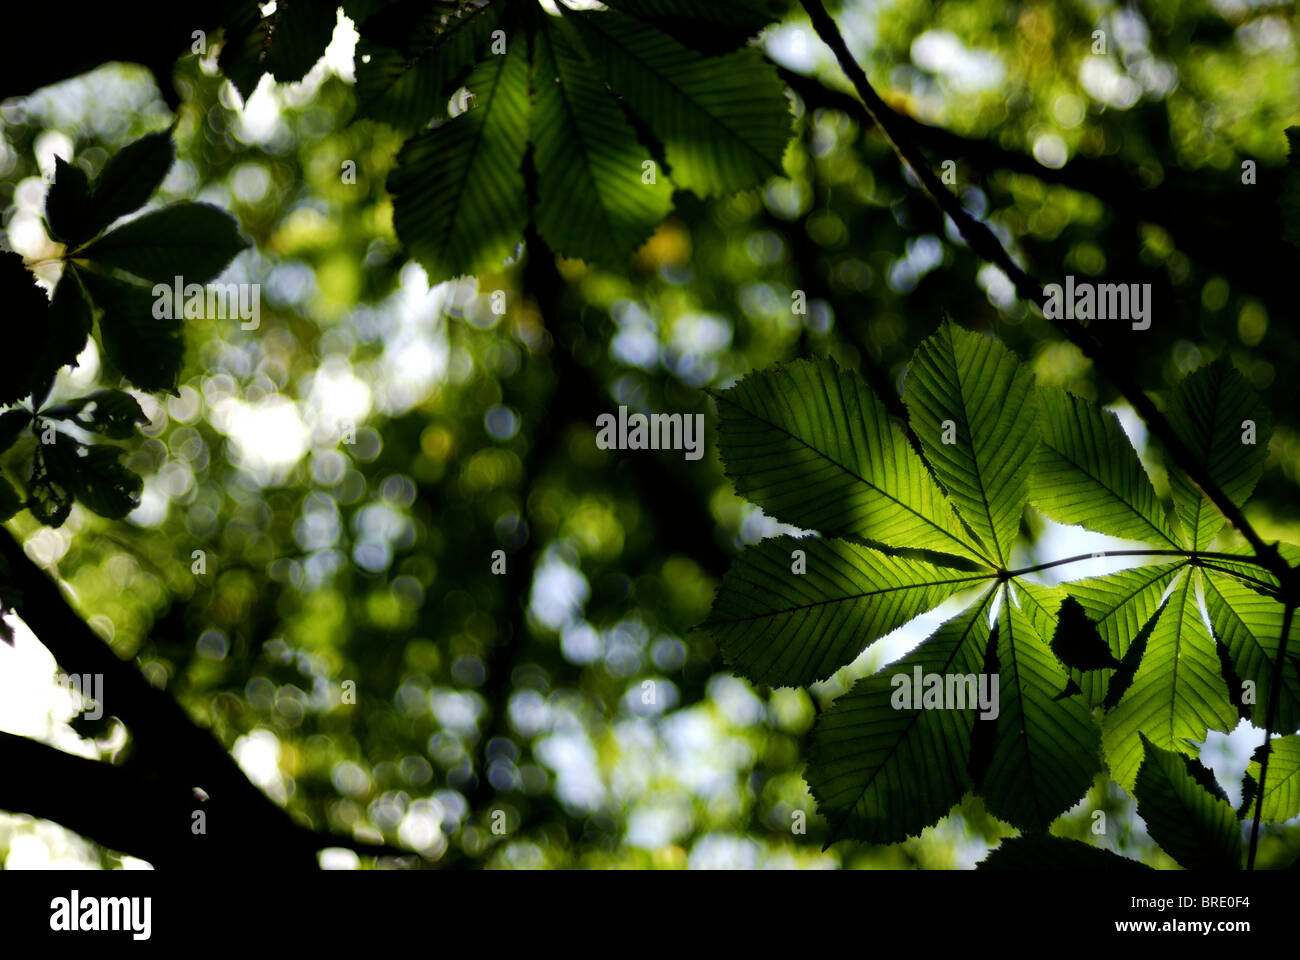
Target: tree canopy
x=314, y=312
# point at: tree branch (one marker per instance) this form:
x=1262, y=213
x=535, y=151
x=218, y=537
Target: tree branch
x=143, y=807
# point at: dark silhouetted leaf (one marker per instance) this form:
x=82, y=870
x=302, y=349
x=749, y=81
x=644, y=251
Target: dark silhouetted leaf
x=287, y=44
x=1282, y=795
x=194, y=241
x=93, y=475
x=1185, y=811
x=1077, y=642
x=128, y=180
x=111, y=412
x=1054, y=853
x=12, y=423
x=67, y=204
x=49, y=498
x=24, y=307
x=147, y=349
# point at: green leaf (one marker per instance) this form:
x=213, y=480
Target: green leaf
x=66, y=203
x=1121, y=605
x=300, y=32
x=724, y=121
x=112, y=413
x=1086, y=472
x=127, y=181
x=1282, y=792
x=242, y=50
x=783, y=628
x=43, y=335
x=1046, y=747
x=288, y=43
x=1249, y=625
x=1186, y=811
x=1177, y=694
x=194, y=241
x=94, y=476
x=404, y=82
x=591, y=201
x=963, y=382
x=147, y=349
x=1039, y=852
x=458, y=190
x=815, y=448
x=882, y=774
x=1208, y=411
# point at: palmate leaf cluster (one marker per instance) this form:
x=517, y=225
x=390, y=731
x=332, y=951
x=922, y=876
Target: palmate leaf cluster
x=1119, y=672
x=106, y=287
x=582, y=124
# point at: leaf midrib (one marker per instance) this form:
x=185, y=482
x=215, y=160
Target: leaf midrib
x=970, y=432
